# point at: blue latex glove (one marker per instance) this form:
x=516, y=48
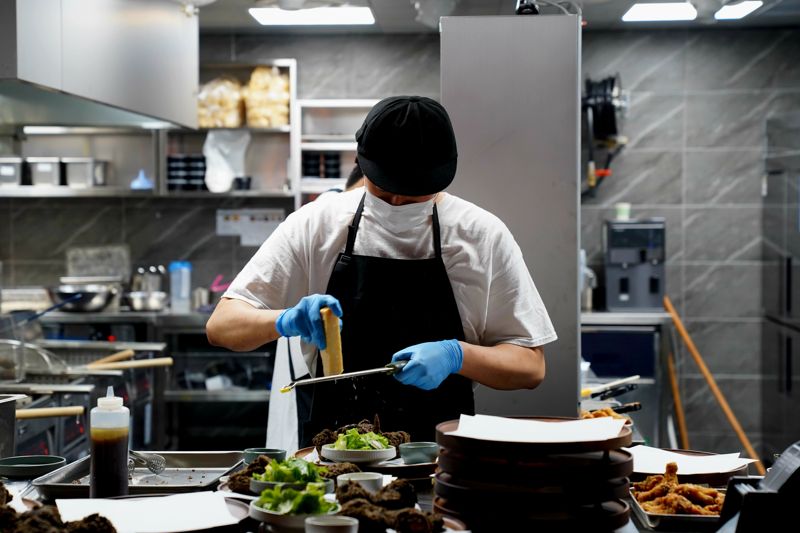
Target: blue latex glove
x=303, y=320
x=429, y=363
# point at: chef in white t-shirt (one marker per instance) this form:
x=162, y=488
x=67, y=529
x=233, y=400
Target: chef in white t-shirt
x=414, y=273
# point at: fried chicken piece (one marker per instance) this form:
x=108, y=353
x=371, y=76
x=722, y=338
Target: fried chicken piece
x=396, y=438
x=240, y=481
x=352, y=491
x=396, y=495
x=326, y=436
x=648, y=483
x=409, y=521
x=696, y=494
x=93, y=523
x=662, y=489
x=8, y=517
x=5, y=496
x=671, y=475
x=674, y=504
x=337, y=469
x=370, y=516
x=602, y=413
x=42, y=520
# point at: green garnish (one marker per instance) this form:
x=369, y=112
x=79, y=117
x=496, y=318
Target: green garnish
x=291, y=501
x=292, y=470
x=353, y=440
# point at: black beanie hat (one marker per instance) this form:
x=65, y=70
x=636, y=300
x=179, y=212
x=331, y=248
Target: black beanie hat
x=407, y=146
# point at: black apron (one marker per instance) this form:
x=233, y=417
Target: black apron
x=388, y=305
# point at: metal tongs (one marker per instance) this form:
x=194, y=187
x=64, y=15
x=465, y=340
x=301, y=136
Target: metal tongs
x=389, y=370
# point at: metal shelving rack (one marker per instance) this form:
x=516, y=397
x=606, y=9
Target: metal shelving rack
x=326, y=125
x=160, y=141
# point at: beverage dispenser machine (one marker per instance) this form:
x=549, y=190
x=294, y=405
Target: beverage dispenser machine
x=634, y=253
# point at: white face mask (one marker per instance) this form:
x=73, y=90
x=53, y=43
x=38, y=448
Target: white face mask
x=398, y=218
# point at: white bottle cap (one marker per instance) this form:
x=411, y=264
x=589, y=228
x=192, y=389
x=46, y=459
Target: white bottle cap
x=109, y=402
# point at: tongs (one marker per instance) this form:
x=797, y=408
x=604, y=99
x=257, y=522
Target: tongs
x=389, y=370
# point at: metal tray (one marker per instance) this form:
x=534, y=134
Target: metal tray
x=674, y=522
x=185, y=472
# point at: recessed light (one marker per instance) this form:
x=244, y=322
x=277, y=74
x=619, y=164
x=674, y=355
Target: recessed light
x=737, y=11
x=315, y=16
x=660, y=12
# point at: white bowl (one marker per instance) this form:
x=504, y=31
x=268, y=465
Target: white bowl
x=371, y=481
x=331, y=524
x=358, y=456
x=284, y=522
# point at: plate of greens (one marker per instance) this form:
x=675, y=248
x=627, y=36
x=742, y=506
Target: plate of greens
x=292, y=473
x=355, y=447
x=285, y=508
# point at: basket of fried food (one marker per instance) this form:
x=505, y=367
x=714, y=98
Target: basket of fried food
x=661, y=501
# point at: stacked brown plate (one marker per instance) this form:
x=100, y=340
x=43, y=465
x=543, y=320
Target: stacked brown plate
x=491, y=484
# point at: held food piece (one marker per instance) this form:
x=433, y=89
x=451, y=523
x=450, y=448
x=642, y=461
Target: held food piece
x=664, y=495
x=332, y=361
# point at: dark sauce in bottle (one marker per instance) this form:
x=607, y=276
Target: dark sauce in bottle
x=109, y=462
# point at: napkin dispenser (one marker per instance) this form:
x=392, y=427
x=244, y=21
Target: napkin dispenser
x=768, y=504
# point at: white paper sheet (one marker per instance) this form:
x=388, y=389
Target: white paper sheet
x=647, y=460
x=16, y=502
x=168, y=514
x=514, y=430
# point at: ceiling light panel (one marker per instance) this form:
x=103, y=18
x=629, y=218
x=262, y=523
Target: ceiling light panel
x=317, y=16
x=660, y=12
x=737, y=11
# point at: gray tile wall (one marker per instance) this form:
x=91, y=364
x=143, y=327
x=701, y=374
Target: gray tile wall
x=699, y=101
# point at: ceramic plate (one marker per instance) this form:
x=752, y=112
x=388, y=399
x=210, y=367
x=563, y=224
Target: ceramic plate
x=358, y=456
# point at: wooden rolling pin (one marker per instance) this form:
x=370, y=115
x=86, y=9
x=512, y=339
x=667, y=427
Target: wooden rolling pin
x=141, y=363
x=114, y=357
x=47, y=412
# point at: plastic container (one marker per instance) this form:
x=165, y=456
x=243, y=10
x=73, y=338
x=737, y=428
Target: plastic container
x=110, y=422
x=180, y=281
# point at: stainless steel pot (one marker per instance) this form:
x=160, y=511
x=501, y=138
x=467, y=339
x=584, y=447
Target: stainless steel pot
x=8, y=431
x=147, y=300
x=94, y=297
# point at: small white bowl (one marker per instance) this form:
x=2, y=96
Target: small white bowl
x=358, y=456
x=331, y=524
x=371, y=481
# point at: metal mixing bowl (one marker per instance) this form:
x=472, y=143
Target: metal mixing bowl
x=147, y=301
x=93, y=298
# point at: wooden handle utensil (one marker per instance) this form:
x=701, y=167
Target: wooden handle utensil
x=47, y=412
x=114, y=357
x=332, y=360
x=141, y=363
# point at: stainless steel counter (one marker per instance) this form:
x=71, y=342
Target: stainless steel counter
x=159, y=319
x=624, y=319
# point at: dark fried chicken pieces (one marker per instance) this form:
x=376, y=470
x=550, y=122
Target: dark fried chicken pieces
x=337, y=469
x=46, y=519
x=327, y=436
x=390, y=507
x=240, y=481
x=664, y=495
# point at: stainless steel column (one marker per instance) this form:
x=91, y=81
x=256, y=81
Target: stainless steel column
x=512, y=88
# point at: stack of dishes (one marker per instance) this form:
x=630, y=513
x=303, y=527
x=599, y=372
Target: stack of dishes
x=492, y=485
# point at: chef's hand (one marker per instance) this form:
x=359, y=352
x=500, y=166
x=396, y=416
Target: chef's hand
x=304, y=320
x=429, y=363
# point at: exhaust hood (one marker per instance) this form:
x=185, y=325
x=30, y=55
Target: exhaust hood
x=98, y=63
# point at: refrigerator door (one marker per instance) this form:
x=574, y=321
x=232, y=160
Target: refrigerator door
x=512, y=88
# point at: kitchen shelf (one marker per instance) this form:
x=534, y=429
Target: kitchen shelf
x=42, y=191
x=226, y=395
x=320, y=185
x=339, y=102
x=277, y=129
x=329, y=146
x=234, y=194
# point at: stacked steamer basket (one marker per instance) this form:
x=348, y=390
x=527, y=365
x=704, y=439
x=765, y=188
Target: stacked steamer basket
x=492, y=485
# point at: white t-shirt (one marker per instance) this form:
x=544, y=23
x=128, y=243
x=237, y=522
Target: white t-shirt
x=494, y=292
